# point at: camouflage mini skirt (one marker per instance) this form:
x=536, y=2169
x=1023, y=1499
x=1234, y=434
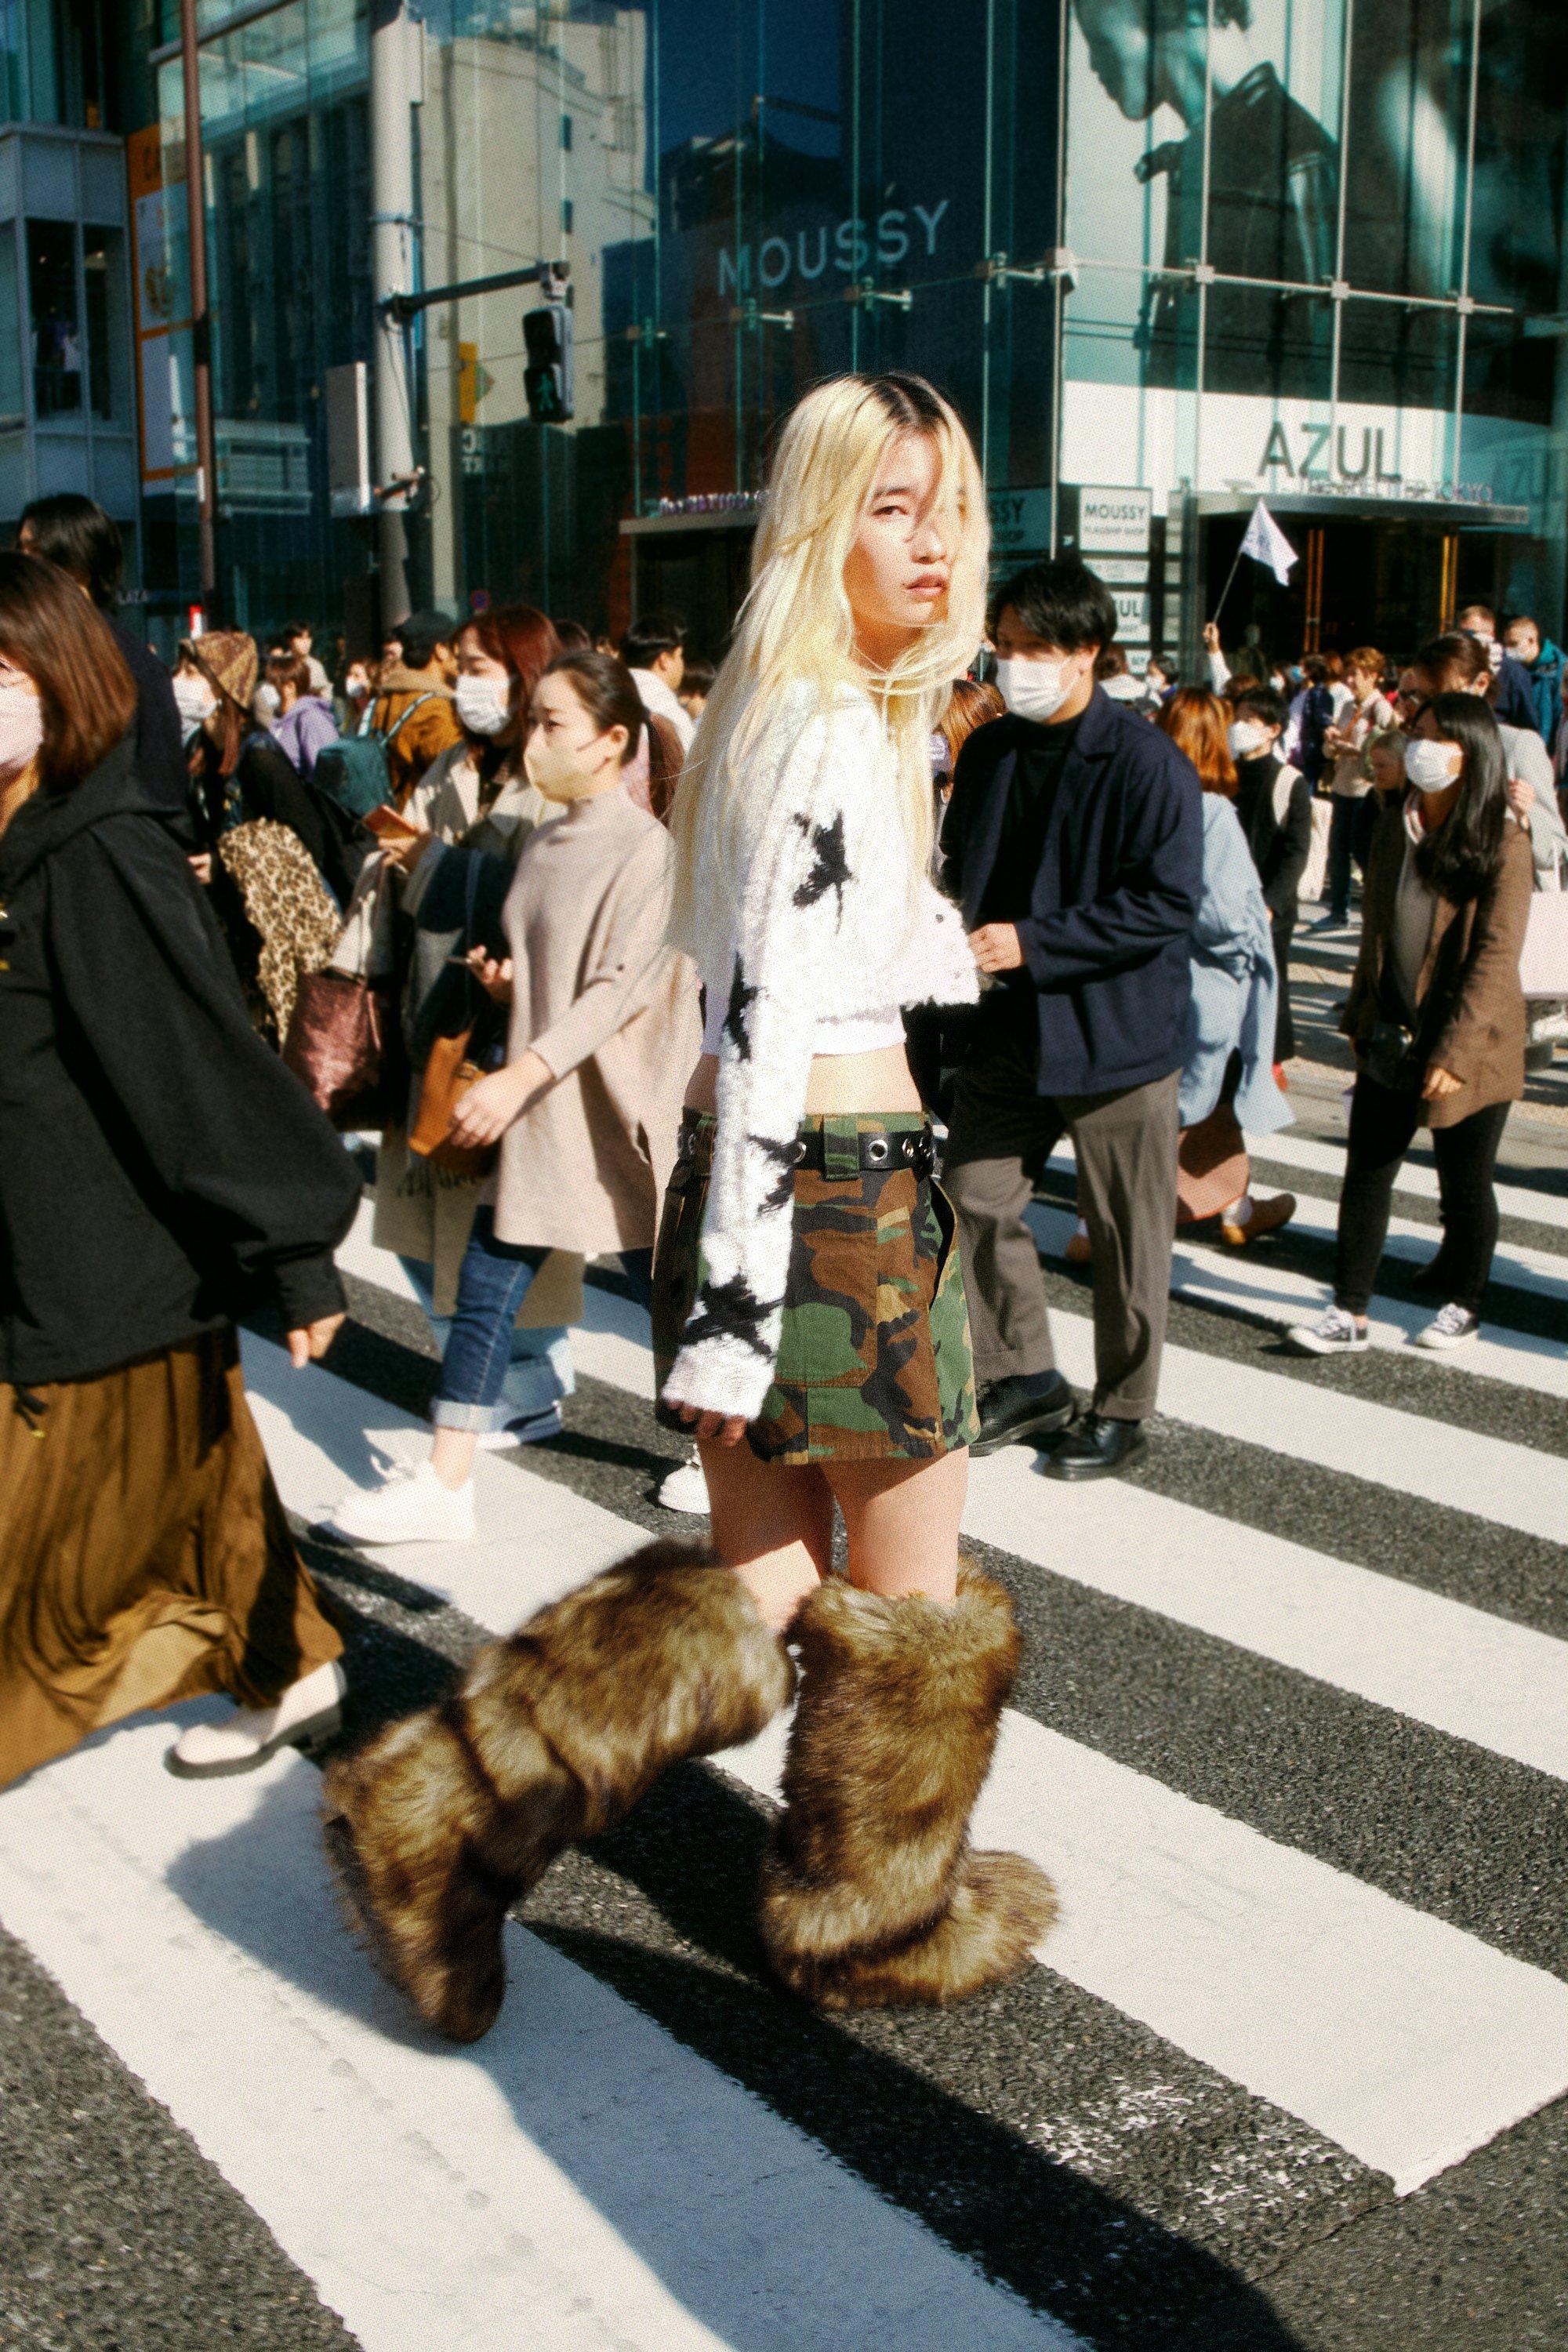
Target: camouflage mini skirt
x=873, y=1361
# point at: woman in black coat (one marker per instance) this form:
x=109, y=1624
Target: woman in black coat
x=160, y=1171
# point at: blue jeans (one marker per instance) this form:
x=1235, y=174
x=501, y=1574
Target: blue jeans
x=538, y=1372
x=491, y=1286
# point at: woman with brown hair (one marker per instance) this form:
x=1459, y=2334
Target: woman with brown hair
x=473, y=810
x=158, y=1171
x=1227, y=1082
x=600, y=1029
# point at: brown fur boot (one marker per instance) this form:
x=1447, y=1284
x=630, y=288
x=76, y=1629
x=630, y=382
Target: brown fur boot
x=443, y=1821
x=872, y=1892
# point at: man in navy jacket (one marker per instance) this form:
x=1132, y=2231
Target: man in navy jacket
x=1074, y=845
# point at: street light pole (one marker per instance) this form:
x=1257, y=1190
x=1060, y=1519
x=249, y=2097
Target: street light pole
x=201, y=316
x=393, y=88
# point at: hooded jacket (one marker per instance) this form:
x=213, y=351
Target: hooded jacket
x=160, y=1170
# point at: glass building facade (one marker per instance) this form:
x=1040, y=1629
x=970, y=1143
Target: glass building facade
x=1166, y=256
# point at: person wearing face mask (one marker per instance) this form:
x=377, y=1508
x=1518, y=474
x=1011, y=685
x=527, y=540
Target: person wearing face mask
x=476, y=808
x=603, y=1027
x=160, y=1173
x=1074, y=846
x=1437, y=1019
x=1274, y=806
x=1461, y=663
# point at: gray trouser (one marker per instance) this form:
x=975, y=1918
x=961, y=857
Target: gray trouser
x=1002, y=1134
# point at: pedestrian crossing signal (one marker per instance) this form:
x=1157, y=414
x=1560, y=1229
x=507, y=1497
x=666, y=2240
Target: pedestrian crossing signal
x=547, y=377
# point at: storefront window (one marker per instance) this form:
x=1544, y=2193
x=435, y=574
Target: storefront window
x=108, y=333
x=56, y=326
x=11, y=400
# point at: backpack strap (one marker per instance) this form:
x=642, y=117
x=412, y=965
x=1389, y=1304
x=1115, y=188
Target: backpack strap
x=418, y=704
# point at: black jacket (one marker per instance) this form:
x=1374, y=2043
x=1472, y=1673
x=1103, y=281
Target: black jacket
x=1280, y=847
x=160, y=736
x=1116, y=893
x=160, y=1170
x=1513, y=697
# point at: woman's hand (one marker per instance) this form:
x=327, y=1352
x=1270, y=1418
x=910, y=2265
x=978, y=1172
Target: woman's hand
x=1521, y=797
x=996, y=947
x=1439, y=1082
x=712, y=1427
x=489, y=1108
x=310, y=1343
x=494, y=978
x=404, y=850
x=200, y=864
x=1211, y=636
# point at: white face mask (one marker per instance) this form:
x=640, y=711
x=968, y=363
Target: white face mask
x=1430, y=765
x=21, y=724
x=484, y=705
x=1247, y=738
x=268, y=703
x=195, y=700
x=1035, y=689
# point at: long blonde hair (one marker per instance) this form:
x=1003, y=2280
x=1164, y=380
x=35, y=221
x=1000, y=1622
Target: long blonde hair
x=797, y=627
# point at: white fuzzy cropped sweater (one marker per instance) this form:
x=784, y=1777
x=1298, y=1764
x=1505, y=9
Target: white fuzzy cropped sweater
x=828, y=929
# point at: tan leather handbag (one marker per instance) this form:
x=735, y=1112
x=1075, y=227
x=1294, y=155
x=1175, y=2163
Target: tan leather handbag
x=448, y=1075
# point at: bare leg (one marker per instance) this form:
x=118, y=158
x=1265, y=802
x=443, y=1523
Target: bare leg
x=902, y=1520
x=772, y=1525
x=452, y=1457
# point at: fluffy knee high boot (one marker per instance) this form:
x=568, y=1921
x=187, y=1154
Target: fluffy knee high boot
x=443, y=1821
x=871, y=1892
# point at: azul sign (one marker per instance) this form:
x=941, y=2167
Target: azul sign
x=1321, y=454
x=851, y=247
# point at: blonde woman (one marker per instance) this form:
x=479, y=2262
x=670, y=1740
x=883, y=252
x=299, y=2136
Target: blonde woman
x=809, y=1321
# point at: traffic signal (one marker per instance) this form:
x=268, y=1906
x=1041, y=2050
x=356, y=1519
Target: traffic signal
x=547, y=378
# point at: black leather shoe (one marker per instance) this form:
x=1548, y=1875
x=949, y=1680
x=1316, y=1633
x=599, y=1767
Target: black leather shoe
x=1010, y=1410
x=1097, y=1448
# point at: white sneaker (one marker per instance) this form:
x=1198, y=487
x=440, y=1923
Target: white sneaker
x=414, y=1507
x=310, y=1709
x=685, y=1489
x=1451, y=1327
x=1335, y=1333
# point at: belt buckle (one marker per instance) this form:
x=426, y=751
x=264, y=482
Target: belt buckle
x=922, y=1153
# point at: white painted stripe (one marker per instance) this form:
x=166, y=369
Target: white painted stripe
x=1457, y=1468
x=1254, y=1282
x=1404, y=2040
x=1417, y=1177
x=1501, y=1686
x=1476, y=1678
x=580, y=2179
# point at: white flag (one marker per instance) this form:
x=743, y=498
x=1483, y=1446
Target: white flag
x=1267, y=544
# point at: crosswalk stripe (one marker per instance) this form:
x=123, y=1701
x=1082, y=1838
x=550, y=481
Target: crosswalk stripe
x=1357, y=2013
x=581, y=2179
x=1418, y=1179
x=1258, y=1284
x=1419, y=1176
x=1501, y=1686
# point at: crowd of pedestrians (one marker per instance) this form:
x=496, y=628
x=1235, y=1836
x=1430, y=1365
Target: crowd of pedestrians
x=779, y=982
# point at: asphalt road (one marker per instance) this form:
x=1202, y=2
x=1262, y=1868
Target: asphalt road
x=1082, y=2155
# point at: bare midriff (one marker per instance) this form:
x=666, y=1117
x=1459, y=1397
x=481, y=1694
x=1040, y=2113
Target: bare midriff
x=840, y=1086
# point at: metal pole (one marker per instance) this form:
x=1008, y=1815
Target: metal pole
x=392, y=230
x=201, y=317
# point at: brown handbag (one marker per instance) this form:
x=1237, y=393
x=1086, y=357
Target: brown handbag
x=448, y=1075
x=344, y=1047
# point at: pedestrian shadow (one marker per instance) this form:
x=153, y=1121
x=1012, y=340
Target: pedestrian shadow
x=679, y=1875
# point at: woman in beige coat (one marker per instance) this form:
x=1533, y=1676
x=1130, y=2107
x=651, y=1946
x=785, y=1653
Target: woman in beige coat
x=476, y=797
x=585, y=1110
